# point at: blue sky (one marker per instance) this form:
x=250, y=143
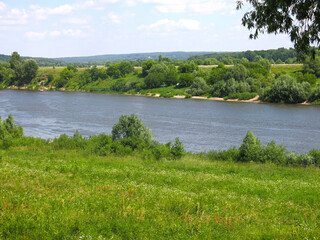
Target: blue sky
x=94, y=27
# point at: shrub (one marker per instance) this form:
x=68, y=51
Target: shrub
x=100, y=145
x=315, y=95
x=199, y=87
x=186, y=79
x=65, y=142
x=223, y=155
x=9, y=132
x=177, y=149
x=130, y=126
x=250, y=149
x=287, y=90
x=274, y=153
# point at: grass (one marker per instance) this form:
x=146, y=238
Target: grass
x=286, y=68
x=59, y=194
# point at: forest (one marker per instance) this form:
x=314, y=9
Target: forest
x=229, y=78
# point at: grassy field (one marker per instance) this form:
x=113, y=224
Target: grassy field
x=58, y=194
x=286, y=68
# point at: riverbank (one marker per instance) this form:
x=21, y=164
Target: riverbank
x=157, y=95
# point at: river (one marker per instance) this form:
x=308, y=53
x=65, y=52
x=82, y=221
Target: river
x=201, y=125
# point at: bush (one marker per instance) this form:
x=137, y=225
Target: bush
x=274, y=153
x=199, y=87
x=223, y=155
x=9, y=132
x=176, y=150
x=100, y=145
x=65, y=142
x=315, y=95
x=186, y=79
x=250, y=149
x=287, y=90
x=130, y=126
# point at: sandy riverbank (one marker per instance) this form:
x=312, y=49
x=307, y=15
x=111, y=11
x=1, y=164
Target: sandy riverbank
x=252, y=100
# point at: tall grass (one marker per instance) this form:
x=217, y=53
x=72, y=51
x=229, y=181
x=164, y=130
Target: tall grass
x=70, y=194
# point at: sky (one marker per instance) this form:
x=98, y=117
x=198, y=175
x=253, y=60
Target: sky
x=40, y=28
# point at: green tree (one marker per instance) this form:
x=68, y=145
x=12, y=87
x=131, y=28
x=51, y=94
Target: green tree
x=15, y=60
x=287, y=90
x=217, y=74
x=64, y=77
x=312, y=65
x=113, y=71
x=16, y=64
x=125, y=68
x=299, y=19
x=146, y=65
x=72, y=68
x=250, y=149
x=199, y=87
x=265, y=63
x=8, y=132
x=186, y=79
x=30, y=69
x=172, y=76
x=188, y=67
x=177, y=149
x=156, y=76
x=239, y=72
x=315, y=95
x=308, y=77
x=130, y=126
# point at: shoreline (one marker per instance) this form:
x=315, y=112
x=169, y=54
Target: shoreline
x=252, y=100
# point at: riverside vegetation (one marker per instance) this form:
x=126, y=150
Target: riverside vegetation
x=239, y=79
x=127, y=186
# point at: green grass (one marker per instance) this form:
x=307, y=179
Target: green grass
x=59, y=194
x=286, y=68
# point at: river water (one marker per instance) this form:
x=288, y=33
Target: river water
x=201, y=125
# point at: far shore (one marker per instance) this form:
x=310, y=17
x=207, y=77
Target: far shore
x=252, y=100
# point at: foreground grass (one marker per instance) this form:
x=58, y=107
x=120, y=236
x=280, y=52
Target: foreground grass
x=58, y=194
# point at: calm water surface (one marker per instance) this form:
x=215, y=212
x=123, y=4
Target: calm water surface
x=200, y=125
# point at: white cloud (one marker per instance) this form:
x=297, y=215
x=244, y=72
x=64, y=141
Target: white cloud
x=2, y=6
x=209, y=7
x=166, y=25
x=192, y=6
x=66, y=32
x=84, y=5
x=73, y=33
x=75, y=20
x=61, y=10
x=115, y=18
x=15, y=16
x=55, y=33
x=35, y=35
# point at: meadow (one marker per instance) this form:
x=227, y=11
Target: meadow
x=49, y=193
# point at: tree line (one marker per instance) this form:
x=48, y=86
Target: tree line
x=243, y=80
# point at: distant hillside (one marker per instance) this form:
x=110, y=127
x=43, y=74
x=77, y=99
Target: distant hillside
x=39, y=60
x=4, y=58
x=281, y=53
x=130, y=57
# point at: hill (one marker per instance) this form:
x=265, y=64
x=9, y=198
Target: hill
x=281, y=53
x=130, y=57
x=39, y=60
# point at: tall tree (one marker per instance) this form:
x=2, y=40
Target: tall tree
x=298, y=18
x=30, y=69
